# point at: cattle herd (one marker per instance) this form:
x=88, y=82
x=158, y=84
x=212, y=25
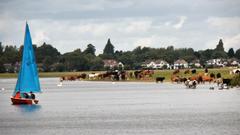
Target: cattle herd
x=194, y=79
x=110, y=75
x=191, y=81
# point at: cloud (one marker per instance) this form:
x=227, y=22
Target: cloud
x=224, y=23
x=145, y=42
x=226, y=28
x=228, y=41
x=137, y=26
x=40, y=37
x=179, y=25
x=232, y=42
x=71, y=24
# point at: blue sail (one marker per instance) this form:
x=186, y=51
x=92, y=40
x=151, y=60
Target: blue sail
x=28, y=80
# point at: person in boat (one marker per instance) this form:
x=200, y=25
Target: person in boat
x=18, y=95
x=32, y=95
x=21, y=95
x=25, y=95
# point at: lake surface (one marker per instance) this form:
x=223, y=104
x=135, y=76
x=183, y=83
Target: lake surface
x=121, y=108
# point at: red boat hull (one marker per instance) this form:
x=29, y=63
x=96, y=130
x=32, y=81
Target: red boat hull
x=18, y=101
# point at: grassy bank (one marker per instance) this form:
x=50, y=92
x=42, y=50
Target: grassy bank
x=163, y=73
x=45, y=74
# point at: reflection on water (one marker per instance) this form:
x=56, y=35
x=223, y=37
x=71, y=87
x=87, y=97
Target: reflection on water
x=28, y=108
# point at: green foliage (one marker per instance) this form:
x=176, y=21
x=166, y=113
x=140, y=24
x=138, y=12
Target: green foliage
x=237, y=54
x=1, y=49
x=59, y=67
x=47, y=62
x=51, y=60
x=10, y=54
x=90, y=49
x=230, y=53
x=46, y=50
x=219, y=54
x=128, y=59
x=96, y=64
x=2, y=68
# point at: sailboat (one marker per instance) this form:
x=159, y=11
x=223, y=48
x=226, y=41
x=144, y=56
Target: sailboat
x=28, y=80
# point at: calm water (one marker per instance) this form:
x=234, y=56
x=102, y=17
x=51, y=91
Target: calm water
x=106, y=108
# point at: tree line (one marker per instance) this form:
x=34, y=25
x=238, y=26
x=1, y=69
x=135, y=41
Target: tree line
x=50, y=59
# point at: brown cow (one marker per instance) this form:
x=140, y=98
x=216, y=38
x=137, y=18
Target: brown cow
x=175, y=78
x=176, y=71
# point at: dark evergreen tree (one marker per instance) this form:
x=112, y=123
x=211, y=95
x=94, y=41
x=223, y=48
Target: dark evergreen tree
x=1, y=49
x=219, y=46
x=230, y=53
x=219, y=52
x=237, y=54
x=109, y=48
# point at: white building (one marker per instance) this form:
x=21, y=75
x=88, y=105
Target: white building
x=180, y=63
x=233, y=62
x=112, y=63
x=215, y=62
x=156, y=64
x=195, y=63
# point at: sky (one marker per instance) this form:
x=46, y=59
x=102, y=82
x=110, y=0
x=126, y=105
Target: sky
x=72, y=24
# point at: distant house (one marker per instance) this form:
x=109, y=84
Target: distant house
x=156, y=64
x=195, y=63
x=112, y=63
x=233, y=62
x=17, y=67
x=8, y=67
x=40, y=67
x=215, y=62
x=11, y=68
x=180, y=63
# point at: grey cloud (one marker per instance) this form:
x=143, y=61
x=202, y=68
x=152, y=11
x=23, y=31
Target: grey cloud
x=127, y=22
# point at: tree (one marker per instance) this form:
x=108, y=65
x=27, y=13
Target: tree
x=90, y=49
x=59, y=67
x=2, y=68
x=77, y=51
x=75, y=61
x=219, y=46
x=205, y=55
x=47, y=50
x=109, y=48
x=96, y=64
x=128, y=58
x=47, y=62
x=237, y=54
x=10, y=54
x=230, y=53
x=219, y=54
x=1, y=49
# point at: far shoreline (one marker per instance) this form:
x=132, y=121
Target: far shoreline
x=225, y=72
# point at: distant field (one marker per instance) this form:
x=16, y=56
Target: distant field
x=46, y=74
x=163, y=73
